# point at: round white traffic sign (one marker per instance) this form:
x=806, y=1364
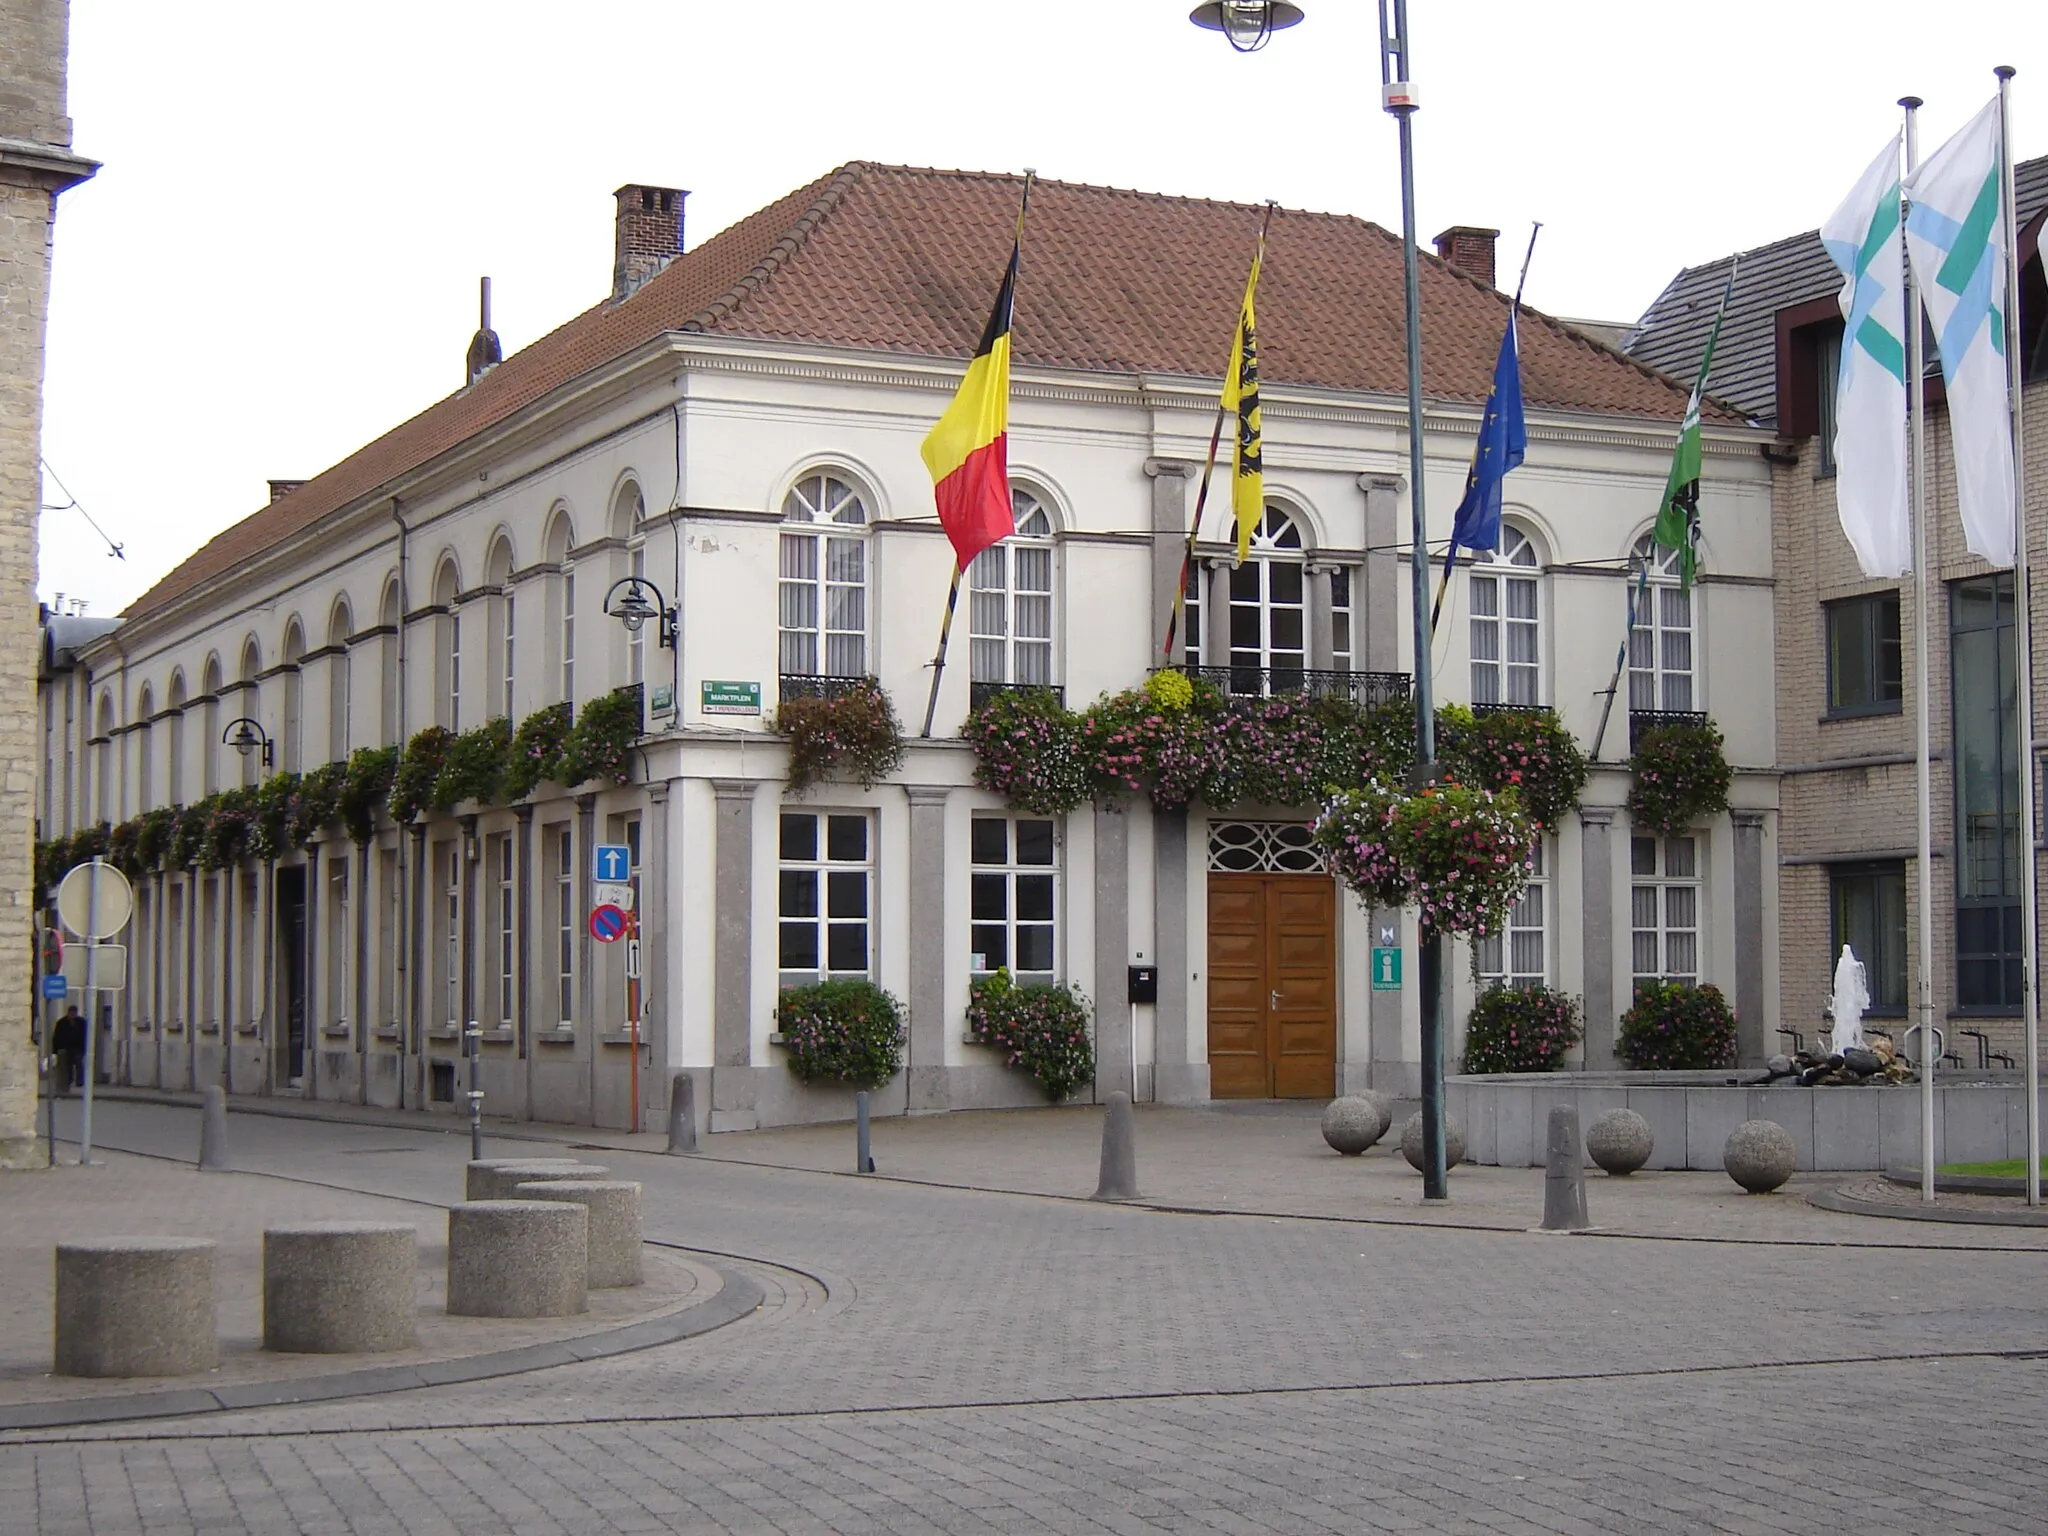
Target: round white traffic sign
x=95, y=906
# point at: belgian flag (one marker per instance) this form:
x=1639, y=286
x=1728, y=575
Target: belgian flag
x=968, y=452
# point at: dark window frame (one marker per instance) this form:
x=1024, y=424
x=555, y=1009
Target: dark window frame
x=1874, y=965
x=2000, y=909
x=1888, y=685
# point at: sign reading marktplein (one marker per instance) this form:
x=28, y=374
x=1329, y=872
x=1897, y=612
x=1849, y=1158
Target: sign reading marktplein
x=728, y=698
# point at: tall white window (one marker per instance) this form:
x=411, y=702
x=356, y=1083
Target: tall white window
x=448, y=872
x=1520, y=955
x=636, y=637
x=340, y=944
x=1507, y=617
x=565, y=924
x=1191, y=613
x=507, y=699
x=1014, y=895
x=1664, y=908
x=1660, y=643
x=823, y=592
x=568, y=636
x=824, y=896
x=503, y=910
x=1269, y=610
x=339, y=705
x=1343, y=642
x=454, y=623
x=1011, y=587
x=387, y=937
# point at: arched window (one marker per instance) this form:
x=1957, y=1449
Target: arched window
x=388, y=619
x=447, y=648
x=174, y=777
x=1507, y=620
x=629, y=509
x=824, y=582
x=1660, y=674
x=1268, y=632
x=1011, y=603
x=340, y=727
x=145, y=766
x=562, y=605
x=292, y=749
x=103, y=758
x=249, y=702
x=502, y=620
x=209, y=743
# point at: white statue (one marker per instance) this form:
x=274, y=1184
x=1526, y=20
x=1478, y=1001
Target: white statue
x=1852, y=996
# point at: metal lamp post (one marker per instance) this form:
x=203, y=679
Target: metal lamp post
x=1248, y=24
x=633, y=600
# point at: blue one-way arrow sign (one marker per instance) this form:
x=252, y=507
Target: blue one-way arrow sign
x=614, y=863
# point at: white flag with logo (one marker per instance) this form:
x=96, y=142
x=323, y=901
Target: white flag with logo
x=1955, y=235
x=1862, y=238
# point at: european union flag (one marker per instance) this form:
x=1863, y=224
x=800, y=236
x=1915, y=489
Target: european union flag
x=1503, y=441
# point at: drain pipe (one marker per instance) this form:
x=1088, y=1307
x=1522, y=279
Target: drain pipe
x=407, y=1021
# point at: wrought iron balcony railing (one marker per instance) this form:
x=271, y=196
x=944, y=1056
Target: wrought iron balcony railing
x=1641, y=721
x=1501, y=708
x=1268, y=682
x=805, y=685
x=979, y=694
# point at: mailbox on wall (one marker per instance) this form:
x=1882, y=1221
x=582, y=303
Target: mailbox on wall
x=1144, y=984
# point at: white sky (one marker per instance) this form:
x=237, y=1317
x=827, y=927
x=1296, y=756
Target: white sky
x=279, y=260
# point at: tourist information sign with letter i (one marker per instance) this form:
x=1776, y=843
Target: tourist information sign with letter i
x=1386, y=970
x=614, y=863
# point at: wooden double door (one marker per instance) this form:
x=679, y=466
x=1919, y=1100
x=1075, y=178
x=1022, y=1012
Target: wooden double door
x=1272, y=986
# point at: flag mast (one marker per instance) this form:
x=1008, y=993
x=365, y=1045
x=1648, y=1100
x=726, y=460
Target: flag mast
x=2030, y=910
x=931, y=703
x=1916, y=434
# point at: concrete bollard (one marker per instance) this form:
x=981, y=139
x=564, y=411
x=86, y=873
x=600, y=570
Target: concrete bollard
x=517, y=1258
x=612, y=1248
x=863, y=1153
x=339, y=1287
x=1119, y=1179
x=135, y=1306
x=213, y=1130
x=494, y=1178
x=682, y=1114
x=1564, y=1177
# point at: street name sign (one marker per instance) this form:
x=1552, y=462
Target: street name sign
x=715, y=697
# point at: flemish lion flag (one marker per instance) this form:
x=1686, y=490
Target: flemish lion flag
x=1241, y=399
x=1678, y=514
x=968, y=451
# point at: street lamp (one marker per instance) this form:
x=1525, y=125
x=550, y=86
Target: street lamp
x=245, y=736
x=633, y=600
x=1247, y=24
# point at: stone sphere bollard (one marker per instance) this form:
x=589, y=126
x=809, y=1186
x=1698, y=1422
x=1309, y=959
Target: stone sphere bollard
x=339, y=1287
x=135, y=1306
x=1411, y=1142
x=496, y=1177
x=1760, y=1155
x=613, y=1246
x=1620, y=1142
x=1356, y=1121
x=517, y=1258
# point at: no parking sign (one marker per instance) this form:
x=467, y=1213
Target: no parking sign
x=607, y=924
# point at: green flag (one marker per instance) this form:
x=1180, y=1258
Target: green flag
x=1678, y=515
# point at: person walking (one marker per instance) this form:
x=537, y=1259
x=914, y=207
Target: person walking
x=67, y=1045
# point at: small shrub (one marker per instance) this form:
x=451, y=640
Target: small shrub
x=1673, y=1026
x=600, y=744
x=1679, y=777
x=473, y=766
x=366, y=784
x=317, y=802
x=845, y=1032
x=412, y=783
x=854, y=733
x=1521, y=1029
x=537, y=751
x=1040, y=1029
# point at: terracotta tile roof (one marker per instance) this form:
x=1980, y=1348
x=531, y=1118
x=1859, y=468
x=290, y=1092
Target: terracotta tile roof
x=904, y=260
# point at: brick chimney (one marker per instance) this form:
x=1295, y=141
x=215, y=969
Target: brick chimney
x=1470, y=250
x=279, y=489
x=649, y=235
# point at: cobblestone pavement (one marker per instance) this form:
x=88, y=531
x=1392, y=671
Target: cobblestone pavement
x=972, y=1361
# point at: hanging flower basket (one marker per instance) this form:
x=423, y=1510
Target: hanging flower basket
x=537, y=751
x=1159, y=739
x=847, y=1033
x=599, y=747
x=412, y=784
x=1457, y=854
x=1027, y=748
x=854, y=733
x=1680, y=778
x=366, y=784
x=1526, y=750
x=1043, y=1030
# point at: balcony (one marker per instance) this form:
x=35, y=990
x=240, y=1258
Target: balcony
x=1641, y=721
x=979, y=694
x=1267, y=682
x=805, y=685
x=1499, y=708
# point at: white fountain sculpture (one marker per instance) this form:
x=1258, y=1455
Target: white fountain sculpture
x=1852, y=996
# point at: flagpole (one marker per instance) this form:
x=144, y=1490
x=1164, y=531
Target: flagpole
x=931, y=703
x=1916, y=430
x=1514, y=318
x=1187, y=558
x=2023, y=635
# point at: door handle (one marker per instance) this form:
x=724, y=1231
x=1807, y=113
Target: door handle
x=1275, y=996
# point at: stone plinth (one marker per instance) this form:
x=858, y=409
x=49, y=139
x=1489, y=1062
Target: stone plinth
x=496, y=1178
x=135, y=1306
x=613, y=1243
x=339, y=1287
x=517, y=1258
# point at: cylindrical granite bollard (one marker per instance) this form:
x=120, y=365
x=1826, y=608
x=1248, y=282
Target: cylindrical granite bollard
x=494, y=1178
x=682, y=1114
x=339, y=1287
x=517, y=1258
x=135, y=1306
x=213, y=1130
x=1564, y=1176
x=612, y=1247
x=1119, y=1179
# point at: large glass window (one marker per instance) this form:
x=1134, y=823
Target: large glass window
x=1011, y=587
x=1983, y=657
x=1660, y=642
x=825, y=892
x=823, y=591
x=568, y=642
x=1269, y=610
x=504, y=908
x=1014, y=896
x=448, y=883
x=564, y=841
x=1520, y=956
x=1506, y=622
x=1864, y=674
x=1867, y=911
x=1343, y=645
x=1664, y=908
